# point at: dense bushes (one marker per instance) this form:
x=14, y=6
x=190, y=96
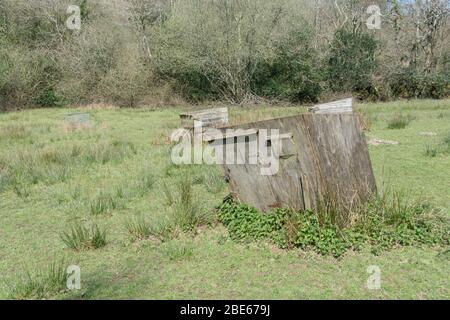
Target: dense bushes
x=142, y=52
x=351, y=62
x=385, y=222
x=410, y=83
x=293, y=73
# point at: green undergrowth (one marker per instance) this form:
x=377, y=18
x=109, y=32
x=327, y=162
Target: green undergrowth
x=384, y=223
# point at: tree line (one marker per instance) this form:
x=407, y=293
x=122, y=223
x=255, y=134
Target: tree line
x=135, y=52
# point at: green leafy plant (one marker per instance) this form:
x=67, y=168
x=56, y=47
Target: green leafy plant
x=386, y=221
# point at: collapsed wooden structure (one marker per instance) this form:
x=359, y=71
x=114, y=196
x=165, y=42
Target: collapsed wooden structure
x=323, y=158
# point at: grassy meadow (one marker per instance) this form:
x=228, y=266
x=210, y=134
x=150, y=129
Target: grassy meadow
x=112, y=185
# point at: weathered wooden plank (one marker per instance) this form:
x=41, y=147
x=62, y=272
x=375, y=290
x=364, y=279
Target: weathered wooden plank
x=325, y=159
x=209, y=118
x=211, y=136
x=341, y=106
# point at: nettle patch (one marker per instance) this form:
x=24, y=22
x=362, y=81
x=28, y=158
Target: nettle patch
x=385, y=222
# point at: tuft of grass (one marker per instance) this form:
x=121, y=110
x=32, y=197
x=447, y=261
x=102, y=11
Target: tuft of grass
x=446, y=141
x=138, y=228
x=118, y=192
x=4, y=180
x=31, y=166
x=214, y=182
x=186, y=209
x=146, y=182
x=399, y=121
x=41, y=284
x=431, y=150
x=54, y=165
x=177, y=251
x=14, y=132
x=169, y=197
x=80, y=237
x=442, y=115
x=111, y=151
x=103, y=203
x=163, y=230
x=367, y=119
x=21, y=189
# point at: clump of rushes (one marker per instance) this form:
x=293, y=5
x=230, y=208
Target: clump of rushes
x=80, y=237
x=446, y=141
x=103, y=203
x=140, y=229
x=177, y=250
x=41, y=284
x=186, y=210
x=116, y=150
x=167, y=194
x=431, y=150
x=14, y=132
x=399, y=121
x=145, y=183
x=214, y=182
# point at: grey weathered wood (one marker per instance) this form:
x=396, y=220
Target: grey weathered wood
x=208, y=137
x=341, y=106
x=209, y=118
x=323, y=158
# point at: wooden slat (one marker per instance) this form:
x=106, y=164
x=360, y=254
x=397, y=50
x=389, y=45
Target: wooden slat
x=226, y=135
x=210, y=117
x=341, y=106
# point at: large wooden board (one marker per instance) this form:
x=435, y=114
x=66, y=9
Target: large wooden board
x=323, y=158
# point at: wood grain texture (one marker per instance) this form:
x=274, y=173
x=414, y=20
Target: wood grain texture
x=341, y=106
x=209, y=118
x=323, y=158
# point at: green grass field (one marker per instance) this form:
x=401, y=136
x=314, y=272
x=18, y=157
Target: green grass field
x=120, y=169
